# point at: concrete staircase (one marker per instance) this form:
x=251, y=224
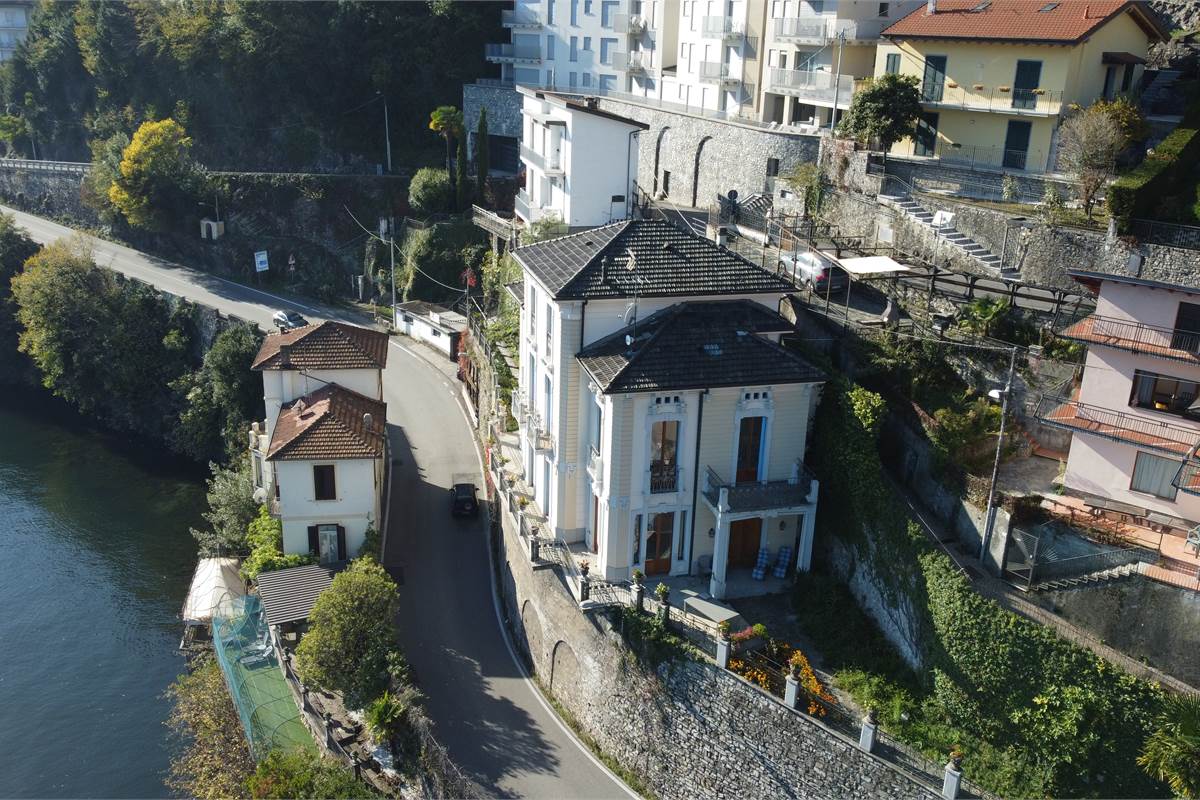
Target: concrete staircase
x=969, y=246
x=1091, y=578
x=1161, y=103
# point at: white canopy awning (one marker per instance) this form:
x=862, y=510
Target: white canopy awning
x=215, y=583
x=867, y=266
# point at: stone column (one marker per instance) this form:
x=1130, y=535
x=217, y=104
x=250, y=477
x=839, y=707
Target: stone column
x=639, y=598
x=952, y=781
x=723, y=648
x=535, y=550
x=866, y=737
x=585, y=588
x=716, y=586
x=791, y=693
x=808, y=531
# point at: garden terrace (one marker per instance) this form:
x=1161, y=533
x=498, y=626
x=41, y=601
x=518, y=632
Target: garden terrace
x=759, y=495
x=1136, y=337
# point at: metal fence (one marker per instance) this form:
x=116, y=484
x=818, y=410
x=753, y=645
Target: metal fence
x=62, y=167
x=1170, y=234
x=1077, y=566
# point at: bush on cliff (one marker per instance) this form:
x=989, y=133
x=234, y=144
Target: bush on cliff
x=15, y=249
x=431, y=191
x=221, y=398
x=264, y=537
x=212, y=759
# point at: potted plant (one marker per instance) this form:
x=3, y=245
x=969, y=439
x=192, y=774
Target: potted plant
x=1039, y=91
x=979, y=87
x=662, y=592
x=796, y=663
x=584, y=567
x=951, y=85
x=1004, y=88
x=639, y=577
x=956, y=757
x=523, y=502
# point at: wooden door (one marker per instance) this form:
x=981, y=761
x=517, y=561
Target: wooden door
x=659, y=541
x=744, y=535
x=750, y=436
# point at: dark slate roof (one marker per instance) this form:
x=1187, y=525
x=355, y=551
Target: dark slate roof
x=669, y=262
x=697, y=346
x=288, y=595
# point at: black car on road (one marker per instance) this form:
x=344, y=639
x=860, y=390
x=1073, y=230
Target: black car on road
x=463, y=502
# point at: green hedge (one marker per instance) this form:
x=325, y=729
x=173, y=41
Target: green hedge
x=1140, y=192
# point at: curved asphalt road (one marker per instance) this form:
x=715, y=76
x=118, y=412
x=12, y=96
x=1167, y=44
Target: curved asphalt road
x=488, y=714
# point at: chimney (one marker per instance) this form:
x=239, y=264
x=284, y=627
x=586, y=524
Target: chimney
x=300, y=407
x=368, y=422
x=931, y=7
x=285, y=355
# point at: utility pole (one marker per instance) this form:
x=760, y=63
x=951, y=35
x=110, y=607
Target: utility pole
x=387, y=134
x=837, y=80
x=991, y=511
x=392, y=251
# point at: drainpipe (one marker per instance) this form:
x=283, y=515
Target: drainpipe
x=628, y=153
x=696, y=480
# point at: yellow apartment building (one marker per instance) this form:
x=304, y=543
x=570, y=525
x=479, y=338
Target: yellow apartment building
x=998, y=76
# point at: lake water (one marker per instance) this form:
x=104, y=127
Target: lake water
x=96, y=562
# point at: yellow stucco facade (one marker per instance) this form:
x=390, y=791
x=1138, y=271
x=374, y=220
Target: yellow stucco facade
x=989, y=84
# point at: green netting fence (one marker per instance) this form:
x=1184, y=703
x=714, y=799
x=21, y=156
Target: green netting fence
x=260, y=692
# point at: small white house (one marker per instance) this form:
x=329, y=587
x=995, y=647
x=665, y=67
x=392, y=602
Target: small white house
x=436, y=326
x=319, y=458
x=580, y=162
x=662, y=425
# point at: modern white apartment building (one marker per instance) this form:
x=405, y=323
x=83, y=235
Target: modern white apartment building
x=14, y=25
x=719, y=56
x=662, y=425
x=580, y=162
x=815, y=52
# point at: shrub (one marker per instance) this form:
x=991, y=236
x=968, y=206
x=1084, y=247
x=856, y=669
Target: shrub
x=265, y=538
x=1139, y=191
x=302, y=774
x=214, y=760
x=431, y=191
x=385, y=716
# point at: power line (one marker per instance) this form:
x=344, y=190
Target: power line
x=392, y=243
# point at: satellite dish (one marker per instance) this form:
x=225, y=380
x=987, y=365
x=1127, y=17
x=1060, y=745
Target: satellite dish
x=733, y=195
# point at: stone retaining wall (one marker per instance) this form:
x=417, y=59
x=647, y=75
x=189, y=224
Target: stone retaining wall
x=49, y=194
x=689, y=729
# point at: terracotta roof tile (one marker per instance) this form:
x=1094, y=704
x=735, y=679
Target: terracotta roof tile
x=1021, y=20
x=328, y=423
x=329, y=345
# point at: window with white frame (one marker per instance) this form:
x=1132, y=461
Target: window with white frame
x=549, y=331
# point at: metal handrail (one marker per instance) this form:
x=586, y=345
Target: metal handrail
x=1076, y=566
x=1128, y=334
x=1171, y=234
x=1097, y=420
x=664, y=478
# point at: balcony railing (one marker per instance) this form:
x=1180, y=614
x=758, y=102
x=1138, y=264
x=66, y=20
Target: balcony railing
x=542, y=440
x=549, y=165
x=989, y=157
x=631, y=62
x=510, y=53
x=520, y=19
x=630, y=24
x=1187, y=480
x=525, y=209
x=663, y=478
x=1117, y=426
x=1006, y=100
x=1137, y=337
x=723, y=28
x=716, y=72
x=1169, y=233
x=595, y=470
x=760, y=495
x=818, y=86
x=816, y=30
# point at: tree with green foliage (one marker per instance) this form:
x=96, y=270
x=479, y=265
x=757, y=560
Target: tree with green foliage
x=350, y=634
x=430, y=191
x=106, y=168
x=1172, y=751
x=212, y=760
x=221, y=398
x=483, y=156
x=886, y=111
x=461, y=184
x=15, y=249
x=75, y=316
x=1088, y=144
x=447, y=122
x=157, y=174
x=231, y=509
x=304, y=775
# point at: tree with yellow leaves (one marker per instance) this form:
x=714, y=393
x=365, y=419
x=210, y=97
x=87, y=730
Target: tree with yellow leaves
x=156, y=176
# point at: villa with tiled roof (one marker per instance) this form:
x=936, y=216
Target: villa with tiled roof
x=997, y=77
x=319, y=457
x=662, y=422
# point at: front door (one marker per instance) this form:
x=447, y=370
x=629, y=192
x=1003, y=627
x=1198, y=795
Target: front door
x=659, y=540
x=750, y=437
x=926, y=140
x=1016, y=144
x=744, y=535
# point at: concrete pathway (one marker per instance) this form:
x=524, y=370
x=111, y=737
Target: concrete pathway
x=487, y=713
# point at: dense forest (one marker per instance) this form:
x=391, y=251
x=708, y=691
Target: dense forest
x=257, y=85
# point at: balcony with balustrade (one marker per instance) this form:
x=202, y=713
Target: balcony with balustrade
x=522, y=19
x=1136, y=337
x=821, y=88
x=730, y=497
x=1117, y=426
x=636, y=61
x=726, y=28
x=1000, y=99
x=716, y=72
x=630, y=24
x=512, y=54
x=664, y=477
x=549, y=165
x=526, y=209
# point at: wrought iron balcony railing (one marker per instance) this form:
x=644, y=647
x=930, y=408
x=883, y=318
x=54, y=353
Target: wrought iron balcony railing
x=1137, y=337
x=759, y=495
x=1117, y=426
x=1003, y=99
x=663, y=478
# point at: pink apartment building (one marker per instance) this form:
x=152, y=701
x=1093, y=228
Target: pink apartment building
x=1135, y=417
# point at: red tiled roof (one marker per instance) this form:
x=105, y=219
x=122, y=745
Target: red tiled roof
x=1022, y=20
x=328, y=423
x=330, y=345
